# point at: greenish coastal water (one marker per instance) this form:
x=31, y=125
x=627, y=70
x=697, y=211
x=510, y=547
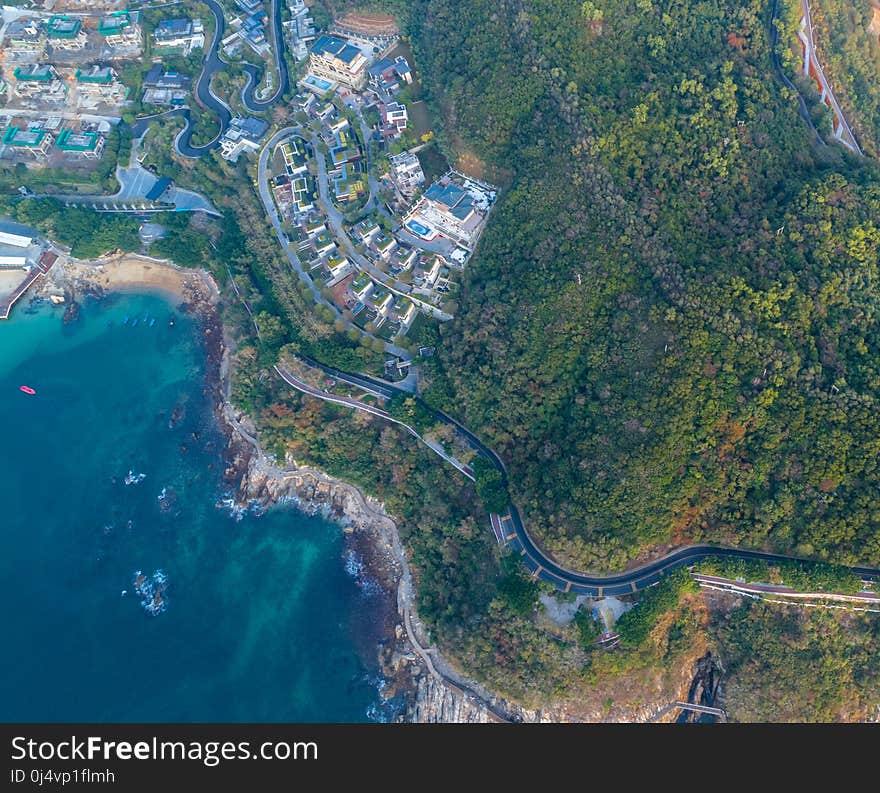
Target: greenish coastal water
x=262, y=621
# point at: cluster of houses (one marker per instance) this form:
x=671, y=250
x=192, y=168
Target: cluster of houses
x=318, y=248
x=430, y=271
x=118, y=29
x=293, y=189
x=381, y=307
x=37, y=139
x=342, y=63
x=64, y=62
x=299, y=30
x=248, y=28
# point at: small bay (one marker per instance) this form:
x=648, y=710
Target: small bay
x=261, y=620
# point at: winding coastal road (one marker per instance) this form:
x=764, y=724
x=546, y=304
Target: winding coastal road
x=539, y=563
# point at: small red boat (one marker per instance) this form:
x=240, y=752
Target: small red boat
x=28, y=390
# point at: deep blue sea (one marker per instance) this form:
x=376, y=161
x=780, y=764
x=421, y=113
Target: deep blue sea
x=261, y=620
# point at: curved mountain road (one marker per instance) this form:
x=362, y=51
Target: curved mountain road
x=539, y=563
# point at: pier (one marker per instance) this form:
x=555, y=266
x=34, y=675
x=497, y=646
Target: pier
x=43, y=265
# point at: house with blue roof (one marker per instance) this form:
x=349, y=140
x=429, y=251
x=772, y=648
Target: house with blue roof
x=387, y=74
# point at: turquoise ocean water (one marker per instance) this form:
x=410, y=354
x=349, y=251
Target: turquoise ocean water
x=262, y=621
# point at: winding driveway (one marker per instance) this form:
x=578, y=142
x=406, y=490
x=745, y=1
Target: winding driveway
x=539, y=563
x=254, y=73
x=205, y=96
x=842, y=129
x=777, y=65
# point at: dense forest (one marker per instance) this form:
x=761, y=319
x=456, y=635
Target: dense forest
x=787, y=664
x=670, y=328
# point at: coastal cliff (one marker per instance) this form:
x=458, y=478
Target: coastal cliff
x=413, y=669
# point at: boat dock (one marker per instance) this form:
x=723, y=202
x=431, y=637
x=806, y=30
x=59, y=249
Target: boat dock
x=43, y=265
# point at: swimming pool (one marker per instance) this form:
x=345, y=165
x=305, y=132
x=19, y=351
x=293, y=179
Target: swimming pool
x=417, y=228
x=317, y=82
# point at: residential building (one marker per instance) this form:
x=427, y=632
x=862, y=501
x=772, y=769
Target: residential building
x=387, y=75
x=250, y=6
x=87, y=145
x=326, y=111
x=165, y=88
x=361, y=287
x=65, y=33
x=339, y=125
x=243, y=134
x=313, y=227
x=406, y=312
x=24, y=35
x=406, y=172
x=366, y=230
x=339, y=268
x=119, y=30
x=403, y=258
x=384, y=245
x=180, y=34
x=347, y=189
x=382, y=301
x=301, y=193
x=304, y=101
x=324, y=243
x=232, y=43
x=294, y=157
x=98, y=84
x=251, y=30
x=394, y=119
x=300, y=29
x=40, y=81
x=35, y=142
x=334, y=58
x=454, y=207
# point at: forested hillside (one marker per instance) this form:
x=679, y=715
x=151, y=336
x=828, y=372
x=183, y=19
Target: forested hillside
x=849, y=43
x=670, y=330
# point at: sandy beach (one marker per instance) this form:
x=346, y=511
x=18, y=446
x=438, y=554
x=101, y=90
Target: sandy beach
x=129, y=272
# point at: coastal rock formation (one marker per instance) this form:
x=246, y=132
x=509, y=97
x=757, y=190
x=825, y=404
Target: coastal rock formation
x=435, y=702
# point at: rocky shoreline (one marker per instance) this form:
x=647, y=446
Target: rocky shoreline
x=414, y=672
x=412, y=669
